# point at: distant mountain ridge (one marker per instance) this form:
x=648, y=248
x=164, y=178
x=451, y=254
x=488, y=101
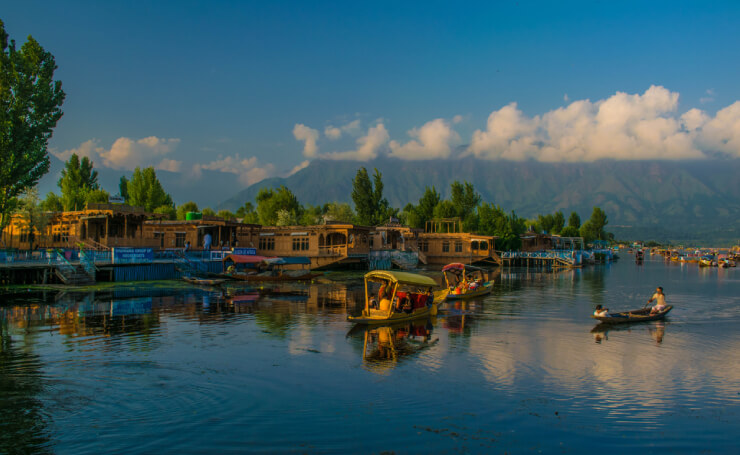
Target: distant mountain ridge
x=662, y=200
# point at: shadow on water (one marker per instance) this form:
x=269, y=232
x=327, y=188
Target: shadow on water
x=384, y=347
x=24, y=422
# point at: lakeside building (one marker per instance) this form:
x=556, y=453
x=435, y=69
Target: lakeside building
x=442, y=242
x=99, y=226
x=173, y=234
x=325, y=245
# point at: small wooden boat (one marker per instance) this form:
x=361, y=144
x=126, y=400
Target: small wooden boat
x=641, y=315
x=203, y=281
x=402, y=296
x=260, y=268
x=466, y=281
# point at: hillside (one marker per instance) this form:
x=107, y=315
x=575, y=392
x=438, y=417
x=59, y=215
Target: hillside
x=692, y=201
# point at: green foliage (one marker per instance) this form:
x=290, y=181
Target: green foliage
x=270, y=202
x=97, y=196
x=464, y=198
x=226, y=214
x=34, y=218
x=146, y=191
x=574, y=221
x=78, y=180
x=123, y=188
x=208, y=212
x=444, y=209
x=371, y=207
x=570, y=231
x=311, y=214
x=494, y=221
x=183, y=209
x=248, y=214
x=30, y=107
x=286, y=218
x=593, y=229
x=339, y=212
x=417, y=216
x=558, y=222
x=167, y=210
x=52, y=203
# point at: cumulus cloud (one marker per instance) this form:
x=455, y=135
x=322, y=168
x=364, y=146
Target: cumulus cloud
x=302, y=165
x=309, y=136
x=334, y=133
x=721, y=133
x=623, y=127
x=368, y=146
x=434, y=140
x=127, y=153
x=249, y=170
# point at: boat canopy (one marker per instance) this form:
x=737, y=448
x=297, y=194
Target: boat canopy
x=302, y=260
x=460, y=266
x=400, y=277
x=245, y=258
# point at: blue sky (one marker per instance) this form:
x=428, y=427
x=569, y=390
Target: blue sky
x=256, y=89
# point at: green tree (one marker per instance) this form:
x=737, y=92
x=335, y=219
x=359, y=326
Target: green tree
x=248, y=214
x=34, y=218
x=336, y=211
x=30, y=107
x=270, y=202
x=371, y=207
x=417, y=216
x=77, y=181
x=97, y=196
x=464, y=198
x=574, y=220
x=167, y=210
x=226, y=214
x=145, y=190
x=570, y=231
x=123, y=188
x=312, y=214
x=182, y=210
x=508, y=227
x=444, y=209
x=593, y=229
x=208, y=212
x=558, y=222
x=52, y=203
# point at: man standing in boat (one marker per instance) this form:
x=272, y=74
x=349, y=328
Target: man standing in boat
x=659, y=299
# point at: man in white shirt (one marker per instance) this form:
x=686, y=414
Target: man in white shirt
x=659, y=298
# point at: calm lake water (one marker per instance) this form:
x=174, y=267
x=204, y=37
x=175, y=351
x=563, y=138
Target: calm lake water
x=279, y=369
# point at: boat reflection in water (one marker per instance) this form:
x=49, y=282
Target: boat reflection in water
x=656, y=330
x=385, y=346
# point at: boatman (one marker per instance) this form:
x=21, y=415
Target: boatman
x=659, y=298
x=207, y=242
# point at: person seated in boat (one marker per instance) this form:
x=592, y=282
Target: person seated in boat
x=601, y=312
x=404, y=305
x=659, y=299
x=385, y=299
x=230, y=270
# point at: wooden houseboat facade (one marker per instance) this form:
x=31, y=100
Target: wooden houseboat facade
x=174, y=234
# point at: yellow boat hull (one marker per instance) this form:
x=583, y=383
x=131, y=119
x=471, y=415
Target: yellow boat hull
x=486, y=288
x=382, y=317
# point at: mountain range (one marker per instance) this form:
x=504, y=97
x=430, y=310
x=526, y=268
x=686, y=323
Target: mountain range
x=693, y=202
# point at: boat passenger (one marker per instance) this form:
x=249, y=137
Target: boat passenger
x=230, y=270
x=601, y=312
x=385, y=300
x=659, y=299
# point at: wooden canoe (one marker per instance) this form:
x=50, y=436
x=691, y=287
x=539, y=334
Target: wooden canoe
x=261, y=277
x=483, y=289
x=641, y=315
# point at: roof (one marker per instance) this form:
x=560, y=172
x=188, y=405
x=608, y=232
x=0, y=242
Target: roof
x=245, y=259
x=460, y=266
x=401, y=277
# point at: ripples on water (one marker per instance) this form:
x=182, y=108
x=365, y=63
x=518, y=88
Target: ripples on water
x=279, y=370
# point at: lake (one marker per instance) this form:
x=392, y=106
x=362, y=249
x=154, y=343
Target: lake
x=278, y=369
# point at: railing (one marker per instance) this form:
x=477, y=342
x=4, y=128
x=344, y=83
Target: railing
x=563, y=256
x=332, y=250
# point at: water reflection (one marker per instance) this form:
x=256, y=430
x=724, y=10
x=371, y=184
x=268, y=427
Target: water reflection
x=656, y=330
x=385, y=346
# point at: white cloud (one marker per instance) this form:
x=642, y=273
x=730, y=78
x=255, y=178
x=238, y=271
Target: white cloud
x=127, y=153
x=368, y=146
x=334, y=133
x=457, y=119
x=309, y=136
x=302, y=165
x=709, y=98
x=622, y=127
x=434, y=140
x=722, y=133
x=248, y=169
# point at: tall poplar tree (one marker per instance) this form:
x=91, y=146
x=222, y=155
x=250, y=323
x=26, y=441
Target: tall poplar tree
x=30, y=107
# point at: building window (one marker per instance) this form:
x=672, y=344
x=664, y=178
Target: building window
x=267, y=243
x=445, y=246
x=474, y=245
x=424, y=246
x=483, y=246
x=179, y=239
x=458, y=247
x=300, y=243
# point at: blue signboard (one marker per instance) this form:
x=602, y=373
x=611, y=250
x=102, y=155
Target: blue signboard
x=133, y=255
x=245, y=251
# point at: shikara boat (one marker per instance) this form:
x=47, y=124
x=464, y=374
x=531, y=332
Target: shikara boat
x=203, y=281
x=261, y=268
x=400, y=296
x=643, y=314
x=466, y=281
